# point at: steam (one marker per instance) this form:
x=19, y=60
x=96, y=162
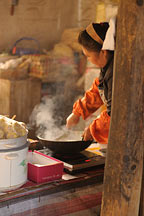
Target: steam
x=44, y=119
x=49, y=117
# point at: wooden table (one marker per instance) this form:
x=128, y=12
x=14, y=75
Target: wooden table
x=80, y=194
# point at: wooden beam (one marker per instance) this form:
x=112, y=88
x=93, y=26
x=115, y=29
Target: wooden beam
x=124, y=161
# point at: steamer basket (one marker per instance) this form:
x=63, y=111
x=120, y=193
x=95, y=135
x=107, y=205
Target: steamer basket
x=13, y=143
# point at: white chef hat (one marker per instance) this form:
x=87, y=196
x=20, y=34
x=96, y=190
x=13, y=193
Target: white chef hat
x=109, y=42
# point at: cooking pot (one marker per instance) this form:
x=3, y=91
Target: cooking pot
x=63, y=146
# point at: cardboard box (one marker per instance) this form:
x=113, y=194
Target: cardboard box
x=19, y=97
x=43, y=168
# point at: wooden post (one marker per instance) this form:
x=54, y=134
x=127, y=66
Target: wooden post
x=141, y=210
x=124, y=161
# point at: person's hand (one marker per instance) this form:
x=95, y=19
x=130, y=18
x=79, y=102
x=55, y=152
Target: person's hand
x=72, y=120
x=87, y=134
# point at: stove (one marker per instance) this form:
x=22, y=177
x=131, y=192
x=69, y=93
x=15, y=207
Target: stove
x=79, y=161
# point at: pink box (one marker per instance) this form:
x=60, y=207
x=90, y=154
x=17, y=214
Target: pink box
x=43, y=168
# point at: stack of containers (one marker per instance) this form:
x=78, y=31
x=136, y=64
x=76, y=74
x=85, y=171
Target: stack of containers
x=13, y=161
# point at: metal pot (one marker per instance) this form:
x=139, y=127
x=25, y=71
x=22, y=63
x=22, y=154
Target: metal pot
x=13, y=143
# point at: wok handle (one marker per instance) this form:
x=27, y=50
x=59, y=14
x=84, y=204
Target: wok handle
x=92, y=141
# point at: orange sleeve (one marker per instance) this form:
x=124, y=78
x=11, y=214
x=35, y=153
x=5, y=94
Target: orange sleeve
x=99, y=128
x=89, y=103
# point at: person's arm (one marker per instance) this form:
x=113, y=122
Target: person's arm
x=99, y=128
x=72, y=120
x=89, y=103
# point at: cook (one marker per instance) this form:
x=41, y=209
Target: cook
x=97, y=42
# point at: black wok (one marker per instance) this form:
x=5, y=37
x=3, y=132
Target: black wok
x=64, y=147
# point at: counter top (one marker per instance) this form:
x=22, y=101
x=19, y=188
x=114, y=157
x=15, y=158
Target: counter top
x=75, y=194
x=30, y=190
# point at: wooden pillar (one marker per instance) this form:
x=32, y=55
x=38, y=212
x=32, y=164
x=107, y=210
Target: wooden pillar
x=124, y=161
x=141, y=210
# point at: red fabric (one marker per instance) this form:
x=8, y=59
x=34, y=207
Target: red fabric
x=84, y=107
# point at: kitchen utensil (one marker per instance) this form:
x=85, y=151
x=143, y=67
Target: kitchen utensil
x=14, y=116
x=63, y=146
x=13, y=4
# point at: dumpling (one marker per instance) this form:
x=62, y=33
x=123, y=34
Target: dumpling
x=3, y=122
x=1, y=134
x=20, y=129
x=11, y=135
x=10, y=128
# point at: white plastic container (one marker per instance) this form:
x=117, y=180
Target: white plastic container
x=13, y=167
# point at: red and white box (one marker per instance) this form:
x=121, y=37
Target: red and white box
x=43, y=168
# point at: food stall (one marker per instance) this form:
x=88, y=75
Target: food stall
x=66, y=191
x=49, y=180
x=73, y=194
x=78, y=188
